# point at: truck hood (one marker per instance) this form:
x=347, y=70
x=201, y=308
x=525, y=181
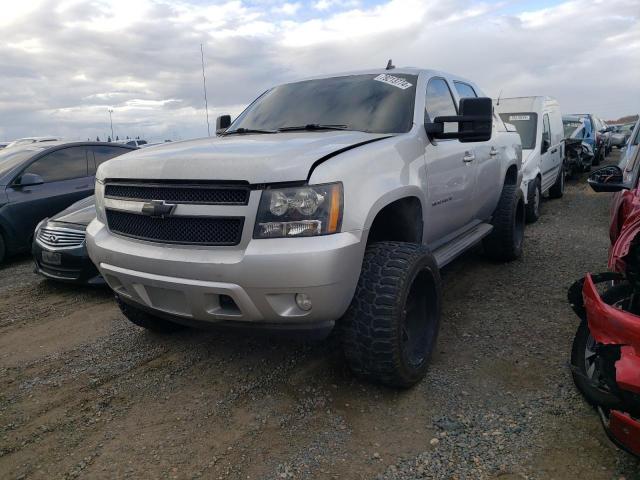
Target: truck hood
x=256, y=158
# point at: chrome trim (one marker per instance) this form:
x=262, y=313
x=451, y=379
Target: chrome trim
x=67, y=238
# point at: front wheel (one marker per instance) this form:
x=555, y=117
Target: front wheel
x=504, y=243
x=391, y=327
x=557, y=190
x=533, y=202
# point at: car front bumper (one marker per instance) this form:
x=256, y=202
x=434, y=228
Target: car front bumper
x=75, y=265
x=253, y=286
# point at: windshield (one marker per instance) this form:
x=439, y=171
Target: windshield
x=571, y=128
x=11, y=157
x=369, y=103
x=526, y=124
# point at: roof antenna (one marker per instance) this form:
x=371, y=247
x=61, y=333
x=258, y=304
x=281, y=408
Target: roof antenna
x=499, y=95
x=390, y=65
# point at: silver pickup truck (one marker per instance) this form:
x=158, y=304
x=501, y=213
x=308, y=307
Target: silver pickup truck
x=329, y=202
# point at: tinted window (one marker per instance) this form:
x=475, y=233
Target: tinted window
x=439, y=103
x=526, y=124
x=61, y=165
x=371, y=103
x=464, y=90
x=103, y=153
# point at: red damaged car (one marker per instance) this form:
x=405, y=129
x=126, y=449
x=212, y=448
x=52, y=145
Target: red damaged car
x=605, y=357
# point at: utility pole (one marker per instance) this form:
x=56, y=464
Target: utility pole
x=204, y=84
x=111, y=122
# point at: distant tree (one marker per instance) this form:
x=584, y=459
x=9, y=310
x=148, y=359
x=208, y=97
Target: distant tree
x=117, y=138
x=127, y=137
x=97, y=139
x=109, y=139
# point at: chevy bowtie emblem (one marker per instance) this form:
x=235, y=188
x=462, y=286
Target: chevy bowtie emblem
x=158, y=208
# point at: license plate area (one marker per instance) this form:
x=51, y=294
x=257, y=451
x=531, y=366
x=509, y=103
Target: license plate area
x=52, y=258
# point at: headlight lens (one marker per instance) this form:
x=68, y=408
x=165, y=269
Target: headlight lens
x=99, y=198
x=299, y=211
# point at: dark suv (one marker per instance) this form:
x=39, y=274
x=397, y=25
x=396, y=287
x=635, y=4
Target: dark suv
x=39, y=180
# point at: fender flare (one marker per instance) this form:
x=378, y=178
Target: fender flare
x=390, y=197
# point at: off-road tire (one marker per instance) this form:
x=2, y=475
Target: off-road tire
x=146, y=320
x=557, y=190
x=531, y=209
x=504, y=243
x=3, y=249
x=399, y=290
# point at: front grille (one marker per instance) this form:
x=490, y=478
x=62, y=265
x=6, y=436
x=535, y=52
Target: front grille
x=181, y=230
x=176, y=193
x=60, y=237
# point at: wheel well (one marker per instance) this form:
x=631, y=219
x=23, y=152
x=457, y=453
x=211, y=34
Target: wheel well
x=511, y=177
x=399, y=221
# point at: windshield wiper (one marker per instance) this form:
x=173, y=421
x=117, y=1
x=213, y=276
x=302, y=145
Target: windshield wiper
x=249, y=130
x=314, y=126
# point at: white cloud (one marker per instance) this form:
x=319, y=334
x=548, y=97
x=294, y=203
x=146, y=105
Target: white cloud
x=65, y=62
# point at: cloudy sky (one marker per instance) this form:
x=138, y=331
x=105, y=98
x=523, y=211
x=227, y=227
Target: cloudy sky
x=65, y=63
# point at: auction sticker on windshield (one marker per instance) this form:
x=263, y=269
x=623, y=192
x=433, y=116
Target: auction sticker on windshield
x=521, y=118
x=395, y=81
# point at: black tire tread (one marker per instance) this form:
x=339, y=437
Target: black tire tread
x=557, y=190
x=369, y=328
x=531, y=215
x=499, y=244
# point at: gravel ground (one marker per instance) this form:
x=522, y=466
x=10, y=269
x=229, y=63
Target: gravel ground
x=85, y=394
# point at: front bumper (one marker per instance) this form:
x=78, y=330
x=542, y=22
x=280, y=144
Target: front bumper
x=254, y=286
x=75, y=265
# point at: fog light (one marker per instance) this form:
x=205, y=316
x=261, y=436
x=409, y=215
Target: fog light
x=303, y=301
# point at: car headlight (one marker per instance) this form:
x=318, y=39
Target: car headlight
x=99, y=198
x=299, y=211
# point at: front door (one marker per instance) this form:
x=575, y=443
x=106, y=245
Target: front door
x=451, y=171
x=66, y=181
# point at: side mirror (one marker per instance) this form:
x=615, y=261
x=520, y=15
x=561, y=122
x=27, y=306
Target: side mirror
x=222, y=123
x=29, y=180
x=607, y=179
x=475, y=122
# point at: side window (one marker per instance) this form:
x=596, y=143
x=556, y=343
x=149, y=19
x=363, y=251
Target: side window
x=439, y=102
x=63, y=164
x=546, y=133
x=102, y=154
x=465, y=90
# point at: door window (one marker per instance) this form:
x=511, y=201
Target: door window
x=546, y=134
x=465, y=90
x=103, y=153
x=63, y=164
x=439, y=103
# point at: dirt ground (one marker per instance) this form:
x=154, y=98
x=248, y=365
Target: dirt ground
x=85, y=394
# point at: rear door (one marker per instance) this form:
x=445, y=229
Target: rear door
x=99, y=154
x=66, y=180
x=451, y=170
x=548, y=165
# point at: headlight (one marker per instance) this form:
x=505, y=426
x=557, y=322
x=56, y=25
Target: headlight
x=299, y=211
x=99, y=198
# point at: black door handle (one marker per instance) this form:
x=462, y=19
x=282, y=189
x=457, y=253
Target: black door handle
x=554, y=150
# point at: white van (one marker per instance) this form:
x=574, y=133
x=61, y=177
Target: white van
x=539, y=123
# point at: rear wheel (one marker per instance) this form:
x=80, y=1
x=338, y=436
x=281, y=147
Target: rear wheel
x=391, y=327
x=146, y=320
x=533, y=202
x=505, y=241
